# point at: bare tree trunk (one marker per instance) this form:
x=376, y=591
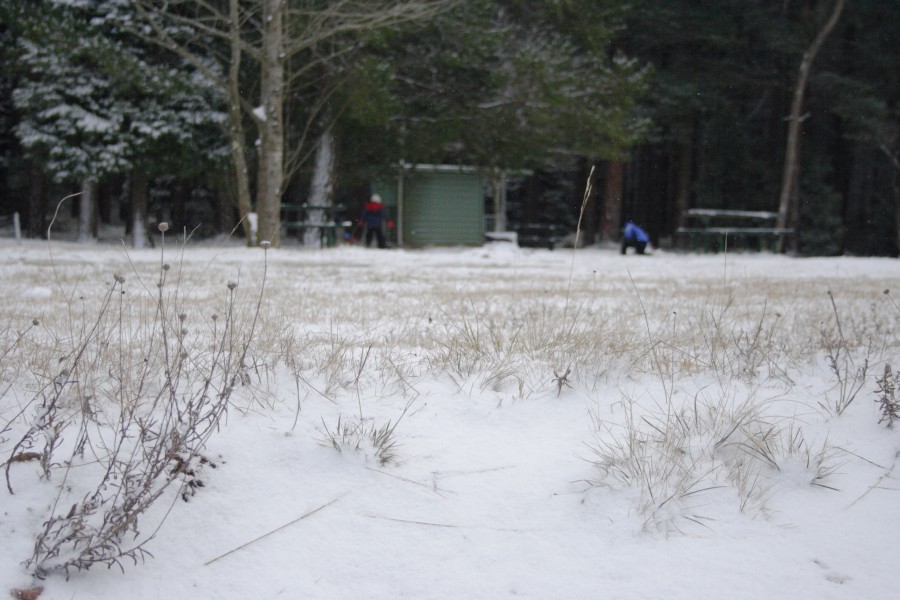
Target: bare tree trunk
x=38, y=197
x=891, y=155
x=498, y=185
x=683, y=178
x=321, y=189
x=271, y=122
x=896, y=221
x=787, y=201
x=235, y=120
x=612, y=199
x=224, y=202
x=86, y=204
x=896, y=186
x=139, y=209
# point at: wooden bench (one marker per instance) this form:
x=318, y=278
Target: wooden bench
x=295, y=217
x=711, y=230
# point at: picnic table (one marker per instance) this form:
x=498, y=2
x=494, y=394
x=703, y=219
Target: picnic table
x=713, y=229
x=296, y=217
x=539, y=235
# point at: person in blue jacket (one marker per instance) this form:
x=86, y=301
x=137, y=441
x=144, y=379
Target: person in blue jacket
x=635, y=237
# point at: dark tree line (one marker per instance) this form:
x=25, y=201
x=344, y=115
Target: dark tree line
x=725, y=74
x=672, y=104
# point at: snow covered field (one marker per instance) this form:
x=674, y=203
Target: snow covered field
x=402, y=425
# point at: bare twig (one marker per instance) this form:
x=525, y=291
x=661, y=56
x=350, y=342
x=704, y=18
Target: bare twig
x=276, y=530
x=562, y=380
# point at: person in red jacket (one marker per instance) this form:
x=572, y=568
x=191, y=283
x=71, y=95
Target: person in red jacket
x=373, y=215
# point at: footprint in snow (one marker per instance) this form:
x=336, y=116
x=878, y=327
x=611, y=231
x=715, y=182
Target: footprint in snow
x=832, y=576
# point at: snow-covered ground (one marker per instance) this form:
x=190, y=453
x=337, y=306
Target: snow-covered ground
x=507, y=478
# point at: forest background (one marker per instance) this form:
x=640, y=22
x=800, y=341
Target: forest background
x=200, y=112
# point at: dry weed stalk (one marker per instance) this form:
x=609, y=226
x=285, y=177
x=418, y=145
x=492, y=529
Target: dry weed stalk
x=887, y=400
x=850, y=374
x=164, y=399
x=561, y=380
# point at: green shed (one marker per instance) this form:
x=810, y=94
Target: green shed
x=436, y=205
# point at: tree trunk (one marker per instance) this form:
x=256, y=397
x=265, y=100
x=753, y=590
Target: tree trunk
x=225, y=202
x=498, y=189
x=612, y=200
x=181, y=196
x=139, y=209
x=86, y=204
x=321, y=189
x=683, y=179
x=37, y=202
x=895, y=185
x=235, y=122
x=787, y=201
x=271, y=149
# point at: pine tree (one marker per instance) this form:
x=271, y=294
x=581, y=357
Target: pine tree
x=92, y=104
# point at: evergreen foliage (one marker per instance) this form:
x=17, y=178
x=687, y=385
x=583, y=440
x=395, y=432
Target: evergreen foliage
x=93, y=103
x=501, y=84
x=8, y=144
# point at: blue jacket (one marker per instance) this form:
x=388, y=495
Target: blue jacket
x=633, y=232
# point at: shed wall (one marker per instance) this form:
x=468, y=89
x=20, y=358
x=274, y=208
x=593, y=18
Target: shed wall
x=444, y=209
